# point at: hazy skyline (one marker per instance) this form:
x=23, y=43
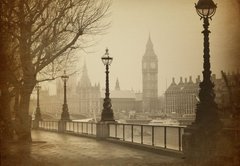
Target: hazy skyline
x=175, y=30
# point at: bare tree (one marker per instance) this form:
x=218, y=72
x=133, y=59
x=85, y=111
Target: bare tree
x=5, y=117
x=42, y=32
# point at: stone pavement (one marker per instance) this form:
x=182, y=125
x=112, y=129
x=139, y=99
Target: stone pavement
x=54, y=149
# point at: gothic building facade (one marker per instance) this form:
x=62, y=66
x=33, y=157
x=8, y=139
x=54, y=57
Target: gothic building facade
x=150, y=78
x=181, y=98
x=89, y=96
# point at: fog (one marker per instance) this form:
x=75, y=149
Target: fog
x=175, y=30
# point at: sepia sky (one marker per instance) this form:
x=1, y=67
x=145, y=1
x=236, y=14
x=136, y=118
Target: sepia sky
x=175, y=30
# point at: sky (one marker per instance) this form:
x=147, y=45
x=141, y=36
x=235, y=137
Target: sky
x=175, y=30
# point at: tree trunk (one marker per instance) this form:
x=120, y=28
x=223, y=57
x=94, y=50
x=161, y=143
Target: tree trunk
x=6, y=130
x=23, y=119
x=5, y=114
x=16, y=101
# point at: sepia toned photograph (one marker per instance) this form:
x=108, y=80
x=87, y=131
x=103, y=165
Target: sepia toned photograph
x=119, y=82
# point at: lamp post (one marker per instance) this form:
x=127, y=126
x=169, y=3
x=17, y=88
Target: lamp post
x=107, y=112
x=200, y=138
x=65, y=114
x=206, y=108
x=38, y=116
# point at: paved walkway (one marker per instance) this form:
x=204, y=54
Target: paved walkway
x=54, y=149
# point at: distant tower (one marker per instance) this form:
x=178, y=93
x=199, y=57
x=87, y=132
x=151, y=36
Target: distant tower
x=89, y=95
x=117, y=86
x=150, y=78
x=85, y=81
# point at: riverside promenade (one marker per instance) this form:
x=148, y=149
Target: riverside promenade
x=55, y=149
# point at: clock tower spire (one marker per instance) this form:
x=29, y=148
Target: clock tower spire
x=150, y=78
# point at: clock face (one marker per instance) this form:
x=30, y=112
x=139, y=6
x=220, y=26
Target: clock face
x=153, y=65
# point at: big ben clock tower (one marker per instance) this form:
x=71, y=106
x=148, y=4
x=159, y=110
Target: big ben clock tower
x=150, y=78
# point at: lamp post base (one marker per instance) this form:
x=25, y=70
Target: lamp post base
x=200, y=140
x=35, y=124
x=62, y=126
x=200, y=146
x=103, y=129
x=65, y=114
x=107, y=115
x=38, y=115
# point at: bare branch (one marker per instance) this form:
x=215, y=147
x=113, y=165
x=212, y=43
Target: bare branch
x=46, y=33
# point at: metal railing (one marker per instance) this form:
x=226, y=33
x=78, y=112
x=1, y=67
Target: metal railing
x=86, y=128
x=49, y=125
x=168, y=137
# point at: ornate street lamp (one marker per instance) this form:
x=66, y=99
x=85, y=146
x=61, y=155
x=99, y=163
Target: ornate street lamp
x=38, y=116
x=206, y=108
x=206, y=9
x=65, y=114
x=199, y=139
x=107, y=112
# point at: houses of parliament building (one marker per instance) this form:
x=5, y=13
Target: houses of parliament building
x=180, y=97
x=87, y=99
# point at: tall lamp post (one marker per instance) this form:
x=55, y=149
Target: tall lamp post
x=65, y=114
x=206, y=108
x=199, y=139
x=38, y=116
x=107, y=112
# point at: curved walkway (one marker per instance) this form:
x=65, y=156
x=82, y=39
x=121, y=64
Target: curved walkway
x=56, y=149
